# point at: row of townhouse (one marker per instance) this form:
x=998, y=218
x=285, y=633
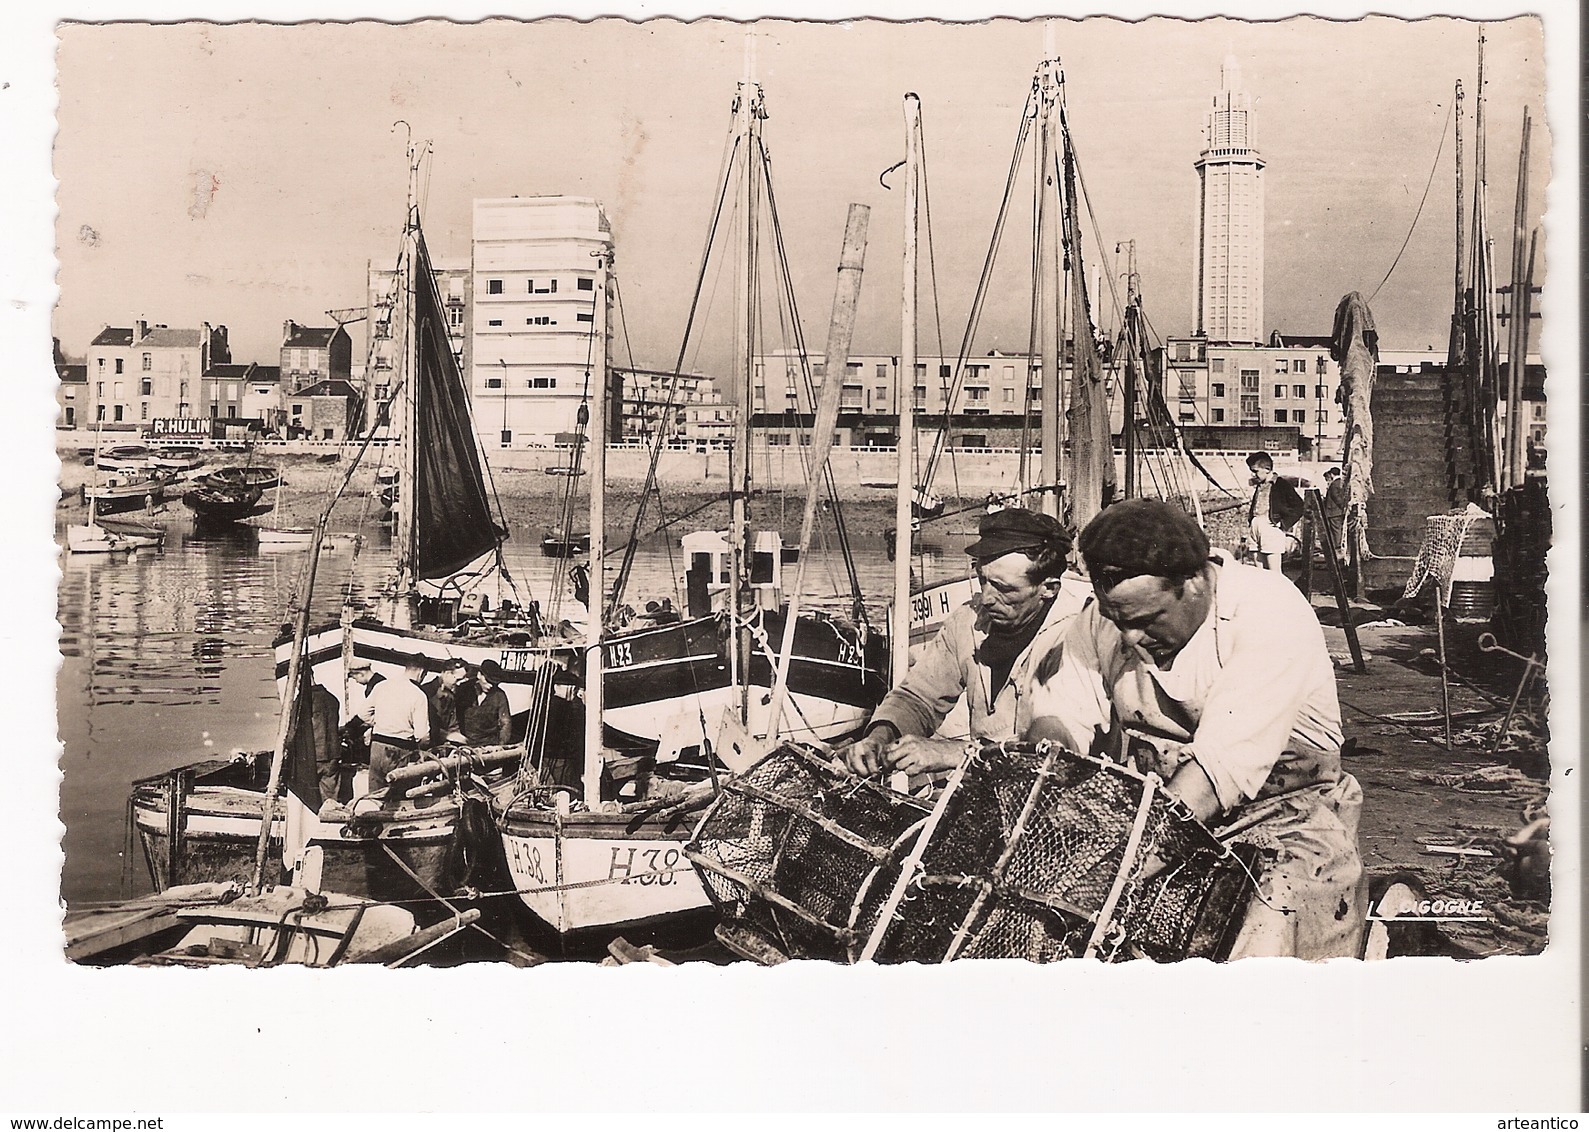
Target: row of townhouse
x=135, y=376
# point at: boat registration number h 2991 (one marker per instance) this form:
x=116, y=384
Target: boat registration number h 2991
x=632, y=865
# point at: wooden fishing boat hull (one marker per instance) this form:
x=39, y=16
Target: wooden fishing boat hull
x=235, y=478
x=410, y=853
x=93, y=539
x=210, y=924
x=584, y=872
x=559, y=546
x=658, y=681
x=121, y=498
x=227, y=505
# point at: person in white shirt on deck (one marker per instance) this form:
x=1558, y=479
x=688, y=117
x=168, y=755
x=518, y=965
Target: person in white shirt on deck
x=1215, y=676
x=398, y=712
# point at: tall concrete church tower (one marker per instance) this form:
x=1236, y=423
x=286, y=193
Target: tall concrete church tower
x=1229, y=284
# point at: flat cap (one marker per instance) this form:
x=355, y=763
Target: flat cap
x=1004, y=532
x=491, y=670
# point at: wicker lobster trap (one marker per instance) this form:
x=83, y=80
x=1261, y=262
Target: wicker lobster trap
x=1029, y=851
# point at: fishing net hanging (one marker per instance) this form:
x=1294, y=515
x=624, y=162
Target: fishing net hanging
x=1031, y=852
x=1442, y=545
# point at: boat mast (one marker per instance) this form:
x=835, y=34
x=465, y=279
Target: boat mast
x=1128, y=424
x=406, y=533
x=1517, y=337
x=597, y=442
x=1046, y=277
x=905, y=401
x=748, y=113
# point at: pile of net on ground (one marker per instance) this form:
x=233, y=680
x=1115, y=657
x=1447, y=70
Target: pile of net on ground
x=1029, y=851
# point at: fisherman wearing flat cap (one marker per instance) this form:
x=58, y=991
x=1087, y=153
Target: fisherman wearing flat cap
x=489, y=721
x=1215, y=676
x=986, y=650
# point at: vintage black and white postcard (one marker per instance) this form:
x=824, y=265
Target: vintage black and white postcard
x=796, y=526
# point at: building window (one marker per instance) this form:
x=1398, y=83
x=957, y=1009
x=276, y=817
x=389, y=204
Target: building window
x=1324, y=416
x=882, y=369
x=1217, y=365
x=1299, y=365
x=455, y=317
x=1217, y=390
x=507, y=437
x=1249, y=410
x=1183, y=351
x=101, y=365
x=1009, y=396
x=1280, y=416
x=493, y=383
x=882, y=395
x=143, y=411
x=1299, y=391
x=1280, y=365
x=819, y=369
x=118, y=364
x=1280, y=392
x=71, y=417
x=494, y=322
x=100, y=415
x=1249, y=381
x=1218, y=416
x=584, y=317
x=493, y=286
x=145, y=387
x=585, y=284
x=148, y=362
x=118, y=412
x=945, y=371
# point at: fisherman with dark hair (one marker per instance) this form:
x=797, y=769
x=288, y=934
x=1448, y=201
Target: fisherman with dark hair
x=1215, y=676
x=986, y=650
x=489, y=721
x=1274, y=509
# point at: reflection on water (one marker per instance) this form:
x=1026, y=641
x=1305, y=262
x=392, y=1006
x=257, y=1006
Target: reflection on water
x=167, y=657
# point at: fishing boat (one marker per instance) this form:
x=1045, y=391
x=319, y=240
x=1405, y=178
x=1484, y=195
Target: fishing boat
x=179, y=462
x=556, y=544
x=121, y=493
x=272, y=534
x=673, y=709
x=224, y=504
x=130, y=459
x=197, y=823
x=262, y=477
x=211, y=924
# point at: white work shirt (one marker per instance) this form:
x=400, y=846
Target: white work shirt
x=399, y=709
x=1251, y=697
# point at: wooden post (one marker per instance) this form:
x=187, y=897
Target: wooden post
x=1341, y=602
x=1445, y=682
x=1307, y=549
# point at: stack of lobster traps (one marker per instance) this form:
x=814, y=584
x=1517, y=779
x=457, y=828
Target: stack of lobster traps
x=1029, y=851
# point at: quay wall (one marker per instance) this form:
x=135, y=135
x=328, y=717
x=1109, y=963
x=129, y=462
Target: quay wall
x=963, y=471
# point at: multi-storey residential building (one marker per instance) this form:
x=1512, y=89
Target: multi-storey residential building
x=646, y=394
x=377, y=372
x=71, y=392
x=1290, y=383
x=995, y=384
x=312, y=354
x=141, y=372
x=538, y=321
x=1228, y=284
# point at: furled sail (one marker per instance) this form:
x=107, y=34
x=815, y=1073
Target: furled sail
x=452, y=513
x=1092, y=478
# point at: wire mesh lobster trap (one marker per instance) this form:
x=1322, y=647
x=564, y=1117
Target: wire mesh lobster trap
x=1031, y=851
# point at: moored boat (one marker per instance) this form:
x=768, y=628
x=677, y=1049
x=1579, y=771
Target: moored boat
x=119, y=494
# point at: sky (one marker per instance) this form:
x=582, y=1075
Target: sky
x=245, y=174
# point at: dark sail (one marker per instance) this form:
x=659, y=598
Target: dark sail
x=452, y=513
x=1092, y=475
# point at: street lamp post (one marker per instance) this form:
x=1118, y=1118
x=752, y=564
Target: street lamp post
x=503, y=437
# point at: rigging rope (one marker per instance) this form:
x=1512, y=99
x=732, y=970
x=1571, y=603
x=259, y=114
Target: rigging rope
x=1427, y=185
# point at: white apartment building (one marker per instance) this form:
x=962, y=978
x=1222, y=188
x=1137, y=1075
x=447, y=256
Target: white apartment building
x=537, y=317
x=991, y=384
